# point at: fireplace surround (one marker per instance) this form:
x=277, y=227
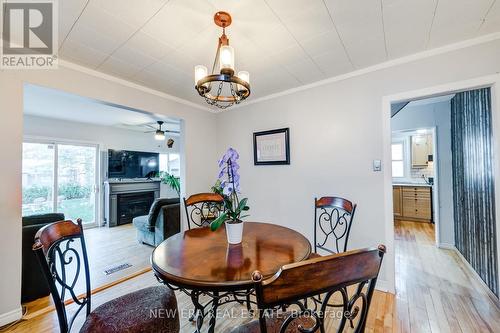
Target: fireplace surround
x=126, y=199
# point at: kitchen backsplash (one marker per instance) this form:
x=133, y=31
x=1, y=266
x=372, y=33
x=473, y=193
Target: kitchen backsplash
x=416, y=173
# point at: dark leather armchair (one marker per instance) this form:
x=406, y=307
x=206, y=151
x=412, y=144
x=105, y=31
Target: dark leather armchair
x=163, y=221
x=33, y=284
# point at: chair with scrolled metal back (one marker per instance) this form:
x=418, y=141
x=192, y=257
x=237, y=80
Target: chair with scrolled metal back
x=61, y=251
x=203, y=208
x=333, y=218
x=348, y=277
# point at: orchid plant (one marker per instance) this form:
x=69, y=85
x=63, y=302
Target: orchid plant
x=228, y=184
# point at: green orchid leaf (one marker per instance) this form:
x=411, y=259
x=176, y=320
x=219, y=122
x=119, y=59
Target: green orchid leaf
x=246, y=208
x=242, y=204
x=218, y=222
x=228, y=203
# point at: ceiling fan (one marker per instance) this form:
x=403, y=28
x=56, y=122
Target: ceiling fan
x=159, y=133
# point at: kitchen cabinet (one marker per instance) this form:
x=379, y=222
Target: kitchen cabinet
x=412, y=203
x=421, y=148
x=397, y=201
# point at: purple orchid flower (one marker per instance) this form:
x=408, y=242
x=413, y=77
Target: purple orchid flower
x=229, y=182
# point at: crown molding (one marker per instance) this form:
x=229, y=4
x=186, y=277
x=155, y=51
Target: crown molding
x=384, y=65
x=124, y=82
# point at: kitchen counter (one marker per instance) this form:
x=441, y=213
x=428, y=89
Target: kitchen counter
x=412, y=184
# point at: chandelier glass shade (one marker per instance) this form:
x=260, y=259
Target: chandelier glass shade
x=222, y=88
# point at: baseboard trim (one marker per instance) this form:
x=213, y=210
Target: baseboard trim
x=383, y=285
x=476, y=276
x=447, y=246
x=11, y=316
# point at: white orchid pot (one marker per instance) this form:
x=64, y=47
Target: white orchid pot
x=234, y=232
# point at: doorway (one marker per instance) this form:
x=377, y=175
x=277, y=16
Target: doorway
x=430, y=278
x=60, y=177
x=68, y=143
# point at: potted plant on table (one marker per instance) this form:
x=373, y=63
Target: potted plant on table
x=229, y=182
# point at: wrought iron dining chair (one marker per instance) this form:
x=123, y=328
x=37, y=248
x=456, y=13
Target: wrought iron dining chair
x=333, y=218
x=203, y=208
x=61, y=251
x=349, y=277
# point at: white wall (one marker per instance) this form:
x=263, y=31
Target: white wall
x=337, y=130
x=107, y=137
x=435, y=115
x=199, y=147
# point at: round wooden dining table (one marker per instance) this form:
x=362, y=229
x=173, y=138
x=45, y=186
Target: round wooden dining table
x=201, y=262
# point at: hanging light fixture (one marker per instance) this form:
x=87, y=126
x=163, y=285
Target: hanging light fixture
x=222, y=89
x=159, y=134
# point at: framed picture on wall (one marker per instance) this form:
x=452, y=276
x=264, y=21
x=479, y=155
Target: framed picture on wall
x=271, y=147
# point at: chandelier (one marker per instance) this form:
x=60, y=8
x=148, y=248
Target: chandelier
x=222, y=89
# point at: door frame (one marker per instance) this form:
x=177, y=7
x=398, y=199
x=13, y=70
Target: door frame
x=435, y=167
x=492, y=81
x=56, y=141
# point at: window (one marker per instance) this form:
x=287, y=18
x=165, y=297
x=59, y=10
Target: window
x=398, y=169
x=59, y=177
x=171, y=164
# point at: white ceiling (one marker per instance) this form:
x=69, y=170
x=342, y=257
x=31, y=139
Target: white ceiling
x=283, y=43
x=56, y=104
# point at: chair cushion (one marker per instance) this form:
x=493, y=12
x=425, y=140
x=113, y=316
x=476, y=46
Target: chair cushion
x=141, y=223
x=135, y=312
x=314, y=255
x=274, y=325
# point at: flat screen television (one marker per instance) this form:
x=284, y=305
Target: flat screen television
x=132, y=164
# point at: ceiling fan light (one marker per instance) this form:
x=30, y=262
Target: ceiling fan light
x=159, y=135
x=226, y=59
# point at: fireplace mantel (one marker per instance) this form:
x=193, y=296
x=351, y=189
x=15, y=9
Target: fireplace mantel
x=114, y=188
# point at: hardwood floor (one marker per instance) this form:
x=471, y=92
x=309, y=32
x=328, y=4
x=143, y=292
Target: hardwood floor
x=380, y=318
x=106, y=248
x=109, y=247
x=435, y=293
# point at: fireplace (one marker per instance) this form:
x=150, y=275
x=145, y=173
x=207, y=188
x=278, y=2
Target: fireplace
x=131, y=205
x=126, y=199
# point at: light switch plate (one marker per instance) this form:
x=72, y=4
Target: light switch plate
x=377, y=165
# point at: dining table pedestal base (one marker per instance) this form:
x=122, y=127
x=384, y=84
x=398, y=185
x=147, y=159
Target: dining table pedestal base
x=201, y=264
x=215, y=300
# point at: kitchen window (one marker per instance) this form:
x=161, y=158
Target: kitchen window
x=398, y=164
